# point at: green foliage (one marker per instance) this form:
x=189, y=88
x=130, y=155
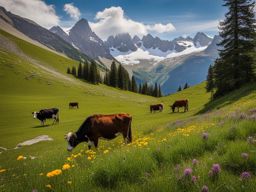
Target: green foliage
x=113, y=75
x=234, y=68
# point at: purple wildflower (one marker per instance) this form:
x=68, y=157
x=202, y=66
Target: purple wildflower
x=245, y=176
x=205, y=135
x=194, y=179
x=187, y=172
x=216, y=168
x=194, y=162
x=245, y=156
x=205, y=189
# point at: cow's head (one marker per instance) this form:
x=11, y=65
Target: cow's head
x=35, y=114
x=73, y=140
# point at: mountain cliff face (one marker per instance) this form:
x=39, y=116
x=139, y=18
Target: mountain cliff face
x=40, y=34
x=169, y=63
x=122, y=42
x=82, y=37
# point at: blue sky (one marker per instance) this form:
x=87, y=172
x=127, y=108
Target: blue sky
x=183, y=14
x=164, y=18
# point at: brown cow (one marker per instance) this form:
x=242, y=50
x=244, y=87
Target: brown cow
x=180, y=103
x=73, y=104
x=157, y=107
x=101, y=126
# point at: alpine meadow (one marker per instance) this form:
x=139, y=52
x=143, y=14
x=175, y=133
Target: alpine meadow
x=125, y=96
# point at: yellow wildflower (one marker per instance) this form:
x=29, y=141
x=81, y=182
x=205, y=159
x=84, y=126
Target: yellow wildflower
x=2, y=170
x=66, y=166
x=48, y=186
x=105, y=151
x=20, y=157
x=54, y=173
x=69, y=182
x=41, y=174
x=69, y=158
x=89, y=158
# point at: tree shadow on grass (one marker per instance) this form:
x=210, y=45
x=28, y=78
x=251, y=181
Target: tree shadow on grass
x=228, y=99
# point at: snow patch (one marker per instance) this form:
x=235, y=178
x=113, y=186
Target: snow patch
x=93, y=39
x=34, y=141
x=134, y=58
x=187, y=51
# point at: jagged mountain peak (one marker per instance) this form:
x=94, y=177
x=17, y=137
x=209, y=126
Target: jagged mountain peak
x=201, y=39
x=82, y=26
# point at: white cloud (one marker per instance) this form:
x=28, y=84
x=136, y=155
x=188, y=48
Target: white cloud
x=161, y=28
x=112, y=21
x=192, y=27
x=72, y=11
x=36, y=10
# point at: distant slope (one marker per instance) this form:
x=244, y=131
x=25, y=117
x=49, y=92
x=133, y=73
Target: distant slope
x=40, y=34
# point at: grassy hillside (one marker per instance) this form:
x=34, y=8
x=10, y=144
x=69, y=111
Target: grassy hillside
x=165, y=144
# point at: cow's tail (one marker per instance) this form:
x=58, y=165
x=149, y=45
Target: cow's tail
x=129, y=135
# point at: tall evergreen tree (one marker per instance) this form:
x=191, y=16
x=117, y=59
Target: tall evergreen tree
x=80, y=70
x=159, y=91
x=120, y=75
x=134, y=87
x=179, y=89
x=113, y=78
x=86, y=71
x=155, y=91
x=186, y=86
x=93, y=73
x=73, y=71
x=68, y=71
x=235, y=65
x=210, y=79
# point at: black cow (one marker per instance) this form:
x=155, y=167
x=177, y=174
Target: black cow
x=44, y=114
x=73, y=104
x=157, y=107
x=101, y=126
x=178, y=104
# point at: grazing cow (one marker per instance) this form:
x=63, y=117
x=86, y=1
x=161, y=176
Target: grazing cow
x=73, y=104
x=101, y=126
x=178, y=104
x=44, y=114
x=157, y=107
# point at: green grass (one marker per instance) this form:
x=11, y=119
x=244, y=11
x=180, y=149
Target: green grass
x=162, y=141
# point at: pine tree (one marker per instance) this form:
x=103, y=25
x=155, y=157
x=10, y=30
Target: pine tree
x=134, y=87
x=80, y=70
x=179, y=89
x=159, y=91
x=106, y=78
x=120, y=74
x=186, y=86
x=68, y=71
x=93, y=73
x=235, y=65
x=113, y=78
x=155, y=91
x=73, y=71
x=210, y=79
x=86, y=71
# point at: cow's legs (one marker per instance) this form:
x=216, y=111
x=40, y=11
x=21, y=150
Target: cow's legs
x=95, y=142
